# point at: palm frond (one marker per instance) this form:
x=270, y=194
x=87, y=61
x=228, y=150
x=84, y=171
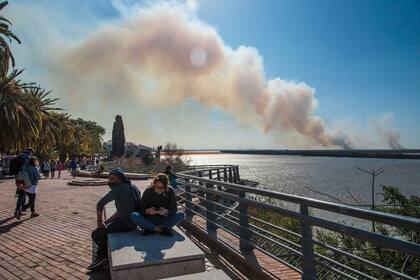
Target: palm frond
x=3, y=4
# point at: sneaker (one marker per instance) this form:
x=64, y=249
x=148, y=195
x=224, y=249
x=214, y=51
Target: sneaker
x=147, y=232
x=17, y=214
x=166, y=231
x=34, y=214
x=95, y=262
x=99, y=264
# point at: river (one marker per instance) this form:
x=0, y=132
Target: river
x=297, y=174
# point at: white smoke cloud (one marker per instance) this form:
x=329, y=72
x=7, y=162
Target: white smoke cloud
x=162, y=56
x=385, y=130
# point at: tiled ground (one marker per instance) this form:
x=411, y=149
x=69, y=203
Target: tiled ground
x=57, y=244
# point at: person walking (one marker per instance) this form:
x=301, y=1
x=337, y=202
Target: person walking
x=34, y=176
x=60, y=167
x=53, y=167
x=158, y=208
x=46, y=169
x=16, y=166
x=73, y=167
x=127, y=198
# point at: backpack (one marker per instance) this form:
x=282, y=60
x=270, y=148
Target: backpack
x=16, y=165
x=137, y=196
x=22, y=179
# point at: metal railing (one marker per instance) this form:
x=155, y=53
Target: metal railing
x=205, y=187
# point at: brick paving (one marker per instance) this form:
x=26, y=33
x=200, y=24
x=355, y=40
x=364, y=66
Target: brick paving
x=57, y=244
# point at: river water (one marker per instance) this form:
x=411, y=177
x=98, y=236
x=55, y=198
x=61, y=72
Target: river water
x=297, y=174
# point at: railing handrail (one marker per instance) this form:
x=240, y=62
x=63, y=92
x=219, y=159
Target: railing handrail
x=200, y=183
x=385, y=218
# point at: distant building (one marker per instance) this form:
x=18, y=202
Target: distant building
x=132, y=150
x=137, y=150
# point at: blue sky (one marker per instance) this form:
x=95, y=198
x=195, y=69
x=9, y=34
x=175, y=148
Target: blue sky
x=362, y=59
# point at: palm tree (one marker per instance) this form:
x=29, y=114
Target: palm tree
x=29, y=117
x=6, y=56
x=24, y=107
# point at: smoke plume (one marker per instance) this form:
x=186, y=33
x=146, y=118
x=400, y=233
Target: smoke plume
x=386, y=131
x=163, y=56
x=162, y=59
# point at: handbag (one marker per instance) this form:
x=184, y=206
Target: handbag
x=22, y=180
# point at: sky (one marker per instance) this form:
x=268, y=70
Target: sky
x=231, y=74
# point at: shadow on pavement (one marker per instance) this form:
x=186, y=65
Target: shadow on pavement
x=99, y=275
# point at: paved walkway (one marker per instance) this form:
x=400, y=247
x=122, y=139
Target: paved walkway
x=57, y=244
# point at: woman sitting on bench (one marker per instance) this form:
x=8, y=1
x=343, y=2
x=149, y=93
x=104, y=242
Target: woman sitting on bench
x=158, y=208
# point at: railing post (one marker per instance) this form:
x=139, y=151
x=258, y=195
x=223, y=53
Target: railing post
x=308, y=265
x=200, y=192
x=218, y=179
x=244, y=232
x=210, y=226
x=225, y=174
x=230, y=175
x=237, y=177
x=188, y=201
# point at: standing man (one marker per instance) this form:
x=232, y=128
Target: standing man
x=127, y=199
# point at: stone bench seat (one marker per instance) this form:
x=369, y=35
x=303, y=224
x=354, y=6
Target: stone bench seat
x=131, y=176
x=134, y=256
x=208, y=275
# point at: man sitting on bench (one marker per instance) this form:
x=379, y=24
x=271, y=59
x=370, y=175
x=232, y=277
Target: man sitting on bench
x=158, y=208
x=127, y=198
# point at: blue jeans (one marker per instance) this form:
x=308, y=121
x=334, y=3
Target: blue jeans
x=169, y=222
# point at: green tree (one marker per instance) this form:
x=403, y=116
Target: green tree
x=118, y=138
x=396, y=203
x=29, y=116
x=23, y=106
x=6, y=56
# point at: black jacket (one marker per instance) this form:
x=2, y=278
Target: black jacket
x=166, y=200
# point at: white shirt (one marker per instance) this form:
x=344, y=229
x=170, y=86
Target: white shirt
x=31, y=189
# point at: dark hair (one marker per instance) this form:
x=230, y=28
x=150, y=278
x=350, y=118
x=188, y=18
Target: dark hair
x=161, y=177
x=32, y=161
x=168, y=167
x=30, y=149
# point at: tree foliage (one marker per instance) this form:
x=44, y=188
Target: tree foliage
x=174, y=155
x=29, y=116
x=118, y=137
x=396, y=203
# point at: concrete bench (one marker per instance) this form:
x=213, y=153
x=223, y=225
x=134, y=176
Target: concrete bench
x=131, y=176
x=134, y=256
x=208, y=275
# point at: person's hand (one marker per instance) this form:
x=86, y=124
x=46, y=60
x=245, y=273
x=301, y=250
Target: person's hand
x=101, y=225
x=162, y=211
x=151, y=211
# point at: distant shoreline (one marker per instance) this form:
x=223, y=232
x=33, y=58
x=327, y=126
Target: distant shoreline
x=197, y=152
x=384, y=154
